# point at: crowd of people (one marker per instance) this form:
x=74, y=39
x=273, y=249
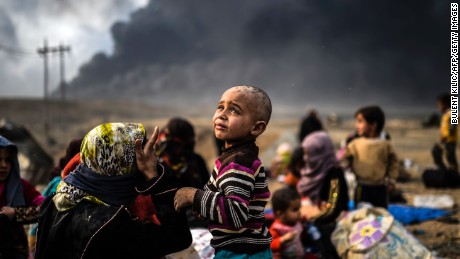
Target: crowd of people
x=119, y=194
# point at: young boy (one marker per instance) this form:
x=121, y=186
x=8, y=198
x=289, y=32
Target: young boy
x=371, y=158
x=287, y=228
x=235, y=196
x=447, y=139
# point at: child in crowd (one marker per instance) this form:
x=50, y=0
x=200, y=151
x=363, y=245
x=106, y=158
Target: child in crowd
x=280, y=163
x=447, y=138
x=19, y=203
x=287, y=228
x=371, y=158
x=235, y=196
x=294, y=167
x=309, y=124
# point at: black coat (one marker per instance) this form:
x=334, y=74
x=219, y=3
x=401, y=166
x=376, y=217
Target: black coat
x=90, y=230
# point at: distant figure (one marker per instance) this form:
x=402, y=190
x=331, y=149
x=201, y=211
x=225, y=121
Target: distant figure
x=279, y=164
x=176, y=144
x=235, y=196
x=287, y=229
x=72, y=149
x=90, y=217
x=19, y=204
x=446, y=148
x=294, y=167
x=371, y=158
x=309, y=124
x=333, y=119
x=433, y=120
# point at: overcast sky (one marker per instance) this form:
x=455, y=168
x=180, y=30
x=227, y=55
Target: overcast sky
x=84, y=25
x=332, y=53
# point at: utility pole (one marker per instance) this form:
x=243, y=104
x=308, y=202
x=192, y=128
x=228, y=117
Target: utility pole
x=44, y=51
x=62, y=49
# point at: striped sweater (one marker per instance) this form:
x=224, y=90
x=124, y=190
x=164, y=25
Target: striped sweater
x=234, y=200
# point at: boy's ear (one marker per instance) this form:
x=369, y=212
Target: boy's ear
x=259, y=128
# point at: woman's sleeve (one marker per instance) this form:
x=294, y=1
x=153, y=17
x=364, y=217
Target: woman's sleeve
x=29, y=213
x=173, y=233
x=337, y=198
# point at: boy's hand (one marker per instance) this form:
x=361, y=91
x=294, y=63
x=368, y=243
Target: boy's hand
x=184, y=197
x=146, y=159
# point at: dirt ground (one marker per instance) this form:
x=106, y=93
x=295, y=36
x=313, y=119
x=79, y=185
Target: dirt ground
x=73, y=119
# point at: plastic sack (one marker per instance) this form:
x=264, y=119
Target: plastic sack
x=374, y=233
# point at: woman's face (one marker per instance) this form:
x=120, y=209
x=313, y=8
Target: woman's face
x=5, y=163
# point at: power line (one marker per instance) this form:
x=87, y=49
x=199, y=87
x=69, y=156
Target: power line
x=16, y=52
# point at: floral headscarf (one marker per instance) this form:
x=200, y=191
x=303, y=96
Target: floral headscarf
x=107, y=172
x=108, y=149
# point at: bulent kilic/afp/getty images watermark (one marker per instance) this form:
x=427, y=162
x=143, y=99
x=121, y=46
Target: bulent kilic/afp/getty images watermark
x=454, y=63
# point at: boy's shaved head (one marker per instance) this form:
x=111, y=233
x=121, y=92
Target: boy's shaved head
x=263, y=104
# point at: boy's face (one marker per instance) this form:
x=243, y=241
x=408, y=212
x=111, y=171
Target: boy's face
x=5, y=163
x=292, y=215
x=363, y=128
x=234, y=120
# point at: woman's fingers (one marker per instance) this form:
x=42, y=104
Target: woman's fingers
x=150, y=145
x=146, y=158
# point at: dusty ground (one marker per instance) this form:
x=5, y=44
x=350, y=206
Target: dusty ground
x=74, y=119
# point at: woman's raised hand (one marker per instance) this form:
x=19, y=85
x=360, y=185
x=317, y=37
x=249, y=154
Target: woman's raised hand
x=146, y=158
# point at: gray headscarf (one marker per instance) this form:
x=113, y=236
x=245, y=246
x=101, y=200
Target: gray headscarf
x=319, y=159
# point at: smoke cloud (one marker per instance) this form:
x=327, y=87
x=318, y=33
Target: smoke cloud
x=336, y=54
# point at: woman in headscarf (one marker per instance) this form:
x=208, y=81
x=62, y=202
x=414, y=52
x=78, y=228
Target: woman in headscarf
x=19, y=203
x=322, y=185
x=322, y=182
x=89, y=216
x=176, y=144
